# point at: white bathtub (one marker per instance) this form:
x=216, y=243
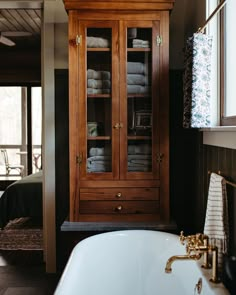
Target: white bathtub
x=132, y=262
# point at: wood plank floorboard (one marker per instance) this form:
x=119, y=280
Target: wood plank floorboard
x=23, y=273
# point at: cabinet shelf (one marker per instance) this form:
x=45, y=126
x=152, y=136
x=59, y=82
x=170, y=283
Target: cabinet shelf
x=139, y=49
x=99, y=138
x=99, y=49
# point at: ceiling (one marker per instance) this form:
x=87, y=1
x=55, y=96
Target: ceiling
x=21, y=20
x=21, y=16
x=22, y=62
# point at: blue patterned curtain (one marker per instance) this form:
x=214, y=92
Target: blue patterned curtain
x=196, y=81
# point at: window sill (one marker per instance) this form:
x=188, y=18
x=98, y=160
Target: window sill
x=221, y=136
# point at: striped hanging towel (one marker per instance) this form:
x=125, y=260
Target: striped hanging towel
x=216, y=222
x=196, y=81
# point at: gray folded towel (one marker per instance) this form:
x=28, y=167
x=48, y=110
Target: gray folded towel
x=141, y=149
x=97, y=42
x=98, y=91
x=98, y=75
x=138, y=89
x=99, y=164
x=138, y=163
x=96, y=151
x=137, y=79
x=140, y=43
x=139, y=157
x=137, y=68
x=94, y=83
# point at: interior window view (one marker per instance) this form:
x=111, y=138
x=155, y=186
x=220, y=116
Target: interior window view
x=117, y=147
x=15, y=123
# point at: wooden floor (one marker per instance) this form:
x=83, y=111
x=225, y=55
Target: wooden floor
x=23, y=273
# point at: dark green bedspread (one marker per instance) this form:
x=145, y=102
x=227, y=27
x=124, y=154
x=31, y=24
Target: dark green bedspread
x=23, y=198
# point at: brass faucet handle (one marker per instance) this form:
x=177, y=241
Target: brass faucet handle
x=189, y=239
x=182, y=238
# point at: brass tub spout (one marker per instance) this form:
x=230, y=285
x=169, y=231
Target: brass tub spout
x=169, y=262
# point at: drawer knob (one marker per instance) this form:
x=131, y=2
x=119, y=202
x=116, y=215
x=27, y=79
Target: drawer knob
x=118, y=208
x=118, y=195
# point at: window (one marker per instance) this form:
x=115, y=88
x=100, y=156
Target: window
x=228, y=64
x=36, y=121
x=20, y=128
x=223, y=85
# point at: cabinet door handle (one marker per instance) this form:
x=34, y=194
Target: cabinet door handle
x=116, y=126
x=118, y=208
x=118, y=195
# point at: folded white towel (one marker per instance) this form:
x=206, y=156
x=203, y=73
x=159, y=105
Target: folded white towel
x=216, y=221
x=97, y=42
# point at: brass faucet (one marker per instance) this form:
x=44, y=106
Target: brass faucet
x=196, y=246
x=169, y=262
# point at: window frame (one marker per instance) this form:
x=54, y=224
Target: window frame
x=224, y=120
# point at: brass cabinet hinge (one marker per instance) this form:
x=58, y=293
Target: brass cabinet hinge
x=160, y=158
x=78, y=40
x=79, y=159
x=159, y=40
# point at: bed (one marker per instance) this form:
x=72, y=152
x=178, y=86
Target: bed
x=22, y=198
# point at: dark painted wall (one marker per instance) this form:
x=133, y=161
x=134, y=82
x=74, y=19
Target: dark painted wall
x=62, y=145
x=184, y=159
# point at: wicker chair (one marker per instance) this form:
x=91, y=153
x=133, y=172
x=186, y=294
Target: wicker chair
x=9, y=167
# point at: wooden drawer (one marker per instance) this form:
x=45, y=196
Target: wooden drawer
x=119, y=207
x=96, y=194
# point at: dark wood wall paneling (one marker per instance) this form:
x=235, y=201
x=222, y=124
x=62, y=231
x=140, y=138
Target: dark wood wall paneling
x=190, y=163
x=220, y=159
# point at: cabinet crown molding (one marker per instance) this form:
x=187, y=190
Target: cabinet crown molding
x=119, y=5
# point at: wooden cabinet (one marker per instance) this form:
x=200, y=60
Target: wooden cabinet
x=118, y=108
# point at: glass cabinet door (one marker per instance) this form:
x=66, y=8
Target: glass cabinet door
x=141, y=99
x=100, y=96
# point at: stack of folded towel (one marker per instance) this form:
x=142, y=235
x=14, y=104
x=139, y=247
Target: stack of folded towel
x=98, y=82
x=138, y=43
x=99, y=160
x=139, y=158
x=137, y=78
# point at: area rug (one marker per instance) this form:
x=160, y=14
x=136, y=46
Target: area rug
x=21, y=234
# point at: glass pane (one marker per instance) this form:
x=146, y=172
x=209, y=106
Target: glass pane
x=139, y=102
x=99, y=156
x=10, y=116
x=99, y=100
x=36, y=103
x=11, y=120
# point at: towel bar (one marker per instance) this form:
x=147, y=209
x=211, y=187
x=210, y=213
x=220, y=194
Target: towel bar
x=227, y=181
